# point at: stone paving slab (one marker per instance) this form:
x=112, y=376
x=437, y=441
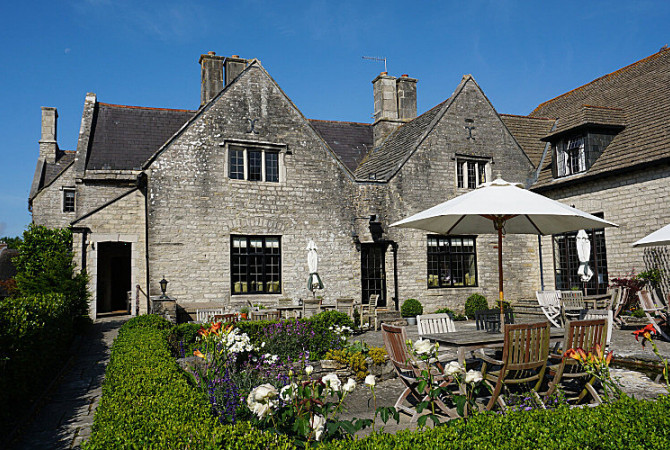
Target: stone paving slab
x=65, y=420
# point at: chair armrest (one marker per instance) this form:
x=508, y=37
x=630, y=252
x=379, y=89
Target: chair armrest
x=484, y=357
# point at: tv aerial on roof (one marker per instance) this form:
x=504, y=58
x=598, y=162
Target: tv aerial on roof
x=377, y=59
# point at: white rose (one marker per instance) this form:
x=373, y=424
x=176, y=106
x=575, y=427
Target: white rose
x=287, y=393
x=423, y=347
x=260, y=409
x=332, y=381
x=473, y=376
x=453, y=368
x=309, y=370
x=370, y=380
x=263, y=393
x=318, y=424
x=349, y=386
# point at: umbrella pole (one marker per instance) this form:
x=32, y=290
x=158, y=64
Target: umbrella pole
x=500, y=276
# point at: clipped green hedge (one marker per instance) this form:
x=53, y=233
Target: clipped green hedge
x=147, y=401
x=627, y=424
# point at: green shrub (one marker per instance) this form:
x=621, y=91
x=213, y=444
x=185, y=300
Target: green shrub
x=625, y=424
x=454, y=316
x=411, y=308
x=327, y=319
x=476, y=302
x=147, y=402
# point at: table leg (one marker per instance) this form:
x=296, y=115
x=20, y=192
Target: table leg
x=461, y=355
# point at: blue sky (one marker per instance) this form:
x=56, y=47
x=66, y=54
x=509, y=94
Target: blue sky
x=146, y=53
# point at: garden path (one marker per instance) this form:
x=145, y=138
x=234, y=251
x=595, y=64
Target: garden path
x=64, y=419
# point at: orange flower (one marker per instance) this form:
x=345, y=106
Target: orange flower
x=199, y=354
x=204, y=332
x=577, y=354
x=610, y=355
x=646, y=332
x=214, y=329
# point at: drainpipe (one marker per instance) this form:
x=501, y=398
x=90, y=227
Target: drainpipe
x=394, y=248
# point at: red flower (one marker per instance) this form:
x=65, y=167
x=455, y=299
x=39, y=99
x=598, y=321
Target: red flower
x=646, y=332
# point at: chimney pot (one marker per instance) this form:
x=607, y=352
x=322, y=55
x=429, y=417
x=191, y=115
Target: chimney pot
x=211, y=53
x=235, y=56
x=404, y=75
x=384, y=73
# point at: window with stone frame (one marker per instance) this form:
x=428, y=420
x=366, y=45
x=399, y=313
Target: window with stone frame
x=253, y=163
x=470, y=173
x=566, y=262
x=69, y=196
x=452, y=261
x=255, y=265
x=570, y=156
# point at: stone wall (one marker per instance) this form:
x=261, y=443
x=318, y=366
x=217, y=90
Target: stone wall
x=121, y=221
x=48, y=203
x=636, y=201
x=195, y=207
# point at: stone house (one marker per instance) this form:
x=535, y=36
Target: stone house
x=222, y=200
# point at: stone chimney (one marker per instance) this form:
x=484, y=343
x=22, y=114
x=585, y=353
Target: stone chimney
x=233, y=66
x=211, y=71
x=395, y=104
x=48, y=143
x=406, y=93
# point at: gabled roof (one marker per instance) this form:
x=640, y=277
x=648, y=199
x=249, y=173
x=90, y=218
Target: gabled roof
x=638, y=95
x=46, y=173
x=124, y=137
x=528, y=131
x=350, y=141
x=383, y=162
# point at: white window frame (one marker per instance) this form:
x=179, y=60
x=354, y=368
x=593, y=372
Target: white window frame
x=74, y=199
x=463, y=163
x=264, y=148
x=563, y=148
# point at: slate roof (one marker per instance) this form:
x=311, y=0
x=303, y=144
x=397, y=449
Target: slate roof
x=640, y=94
x=350, y=141
x=383, y=162
x=51, y=171
x=528, y=131
x=124, y=137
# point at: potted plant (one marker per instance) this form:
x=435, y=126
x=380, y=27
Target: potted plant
x=410, y=309
x=244, y=312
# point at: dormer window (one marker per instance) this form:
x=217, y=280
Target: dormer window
x=570, y=156
x=471, y=172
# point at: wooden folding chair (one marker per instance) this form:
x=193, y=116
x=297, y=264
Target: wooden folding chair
x=524, y=361
x=368, y=309
x=573, y=306
x=657, y=314
x=568, y=372
x=311, y=307
x=346, y=306
x=409, y=370
x=550, y=304
x=489, y=319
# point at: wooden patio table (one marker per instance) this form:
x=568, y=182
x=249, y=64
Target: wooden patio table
x=467, y=341
x=288, y=311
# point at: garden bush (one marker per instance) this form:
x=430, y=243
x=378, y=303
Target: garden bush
x=454, y=316
x=626, y=424
x=474, y=303
x=147, y=401
x=411, y=308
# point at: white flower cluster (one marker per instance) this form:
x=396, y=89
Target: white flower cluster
x=341, y=330
x=454, y=369
x=262, y=399
x=270, y=359
x=236, y=342
x=318, y=424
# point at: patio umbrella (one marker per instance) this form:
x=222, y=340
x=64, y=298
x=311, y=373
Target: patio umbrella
x=313, y=281
x=501, y=207
x=584, y=253
x=658, y=237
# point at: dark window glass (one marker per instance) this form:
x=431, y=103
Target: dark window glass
x=255, y=165
x=566, y=262
x=459, y=174
x=255, y=265
x=452, y=261
x=68, y=200
x=236, y=163
x=482, y=173
x=272, y=167
x=472, y=175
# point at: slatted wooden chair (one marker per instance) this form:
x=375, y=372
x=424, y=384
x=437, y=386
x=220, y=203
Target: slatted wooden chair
x=433, y=324
x=524, y=361
x=568, y=373
x=620, y=304
x=311, y=307
x=408, y=369
x=368, y=309
x=572, y=305
x=264, y=314
x=291, y=312
x=207, y=314
x=656, y=314
x=346, y=306
x=550, y=304
x=489, y=319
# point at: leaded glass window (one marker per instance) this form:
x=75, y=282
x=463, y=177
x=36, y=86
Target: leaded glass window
x=452, y=261
x=255, y=265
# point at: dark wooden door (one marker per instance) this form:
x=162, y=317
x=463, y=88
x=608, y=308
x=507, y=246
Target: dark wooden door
x=373, y=272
